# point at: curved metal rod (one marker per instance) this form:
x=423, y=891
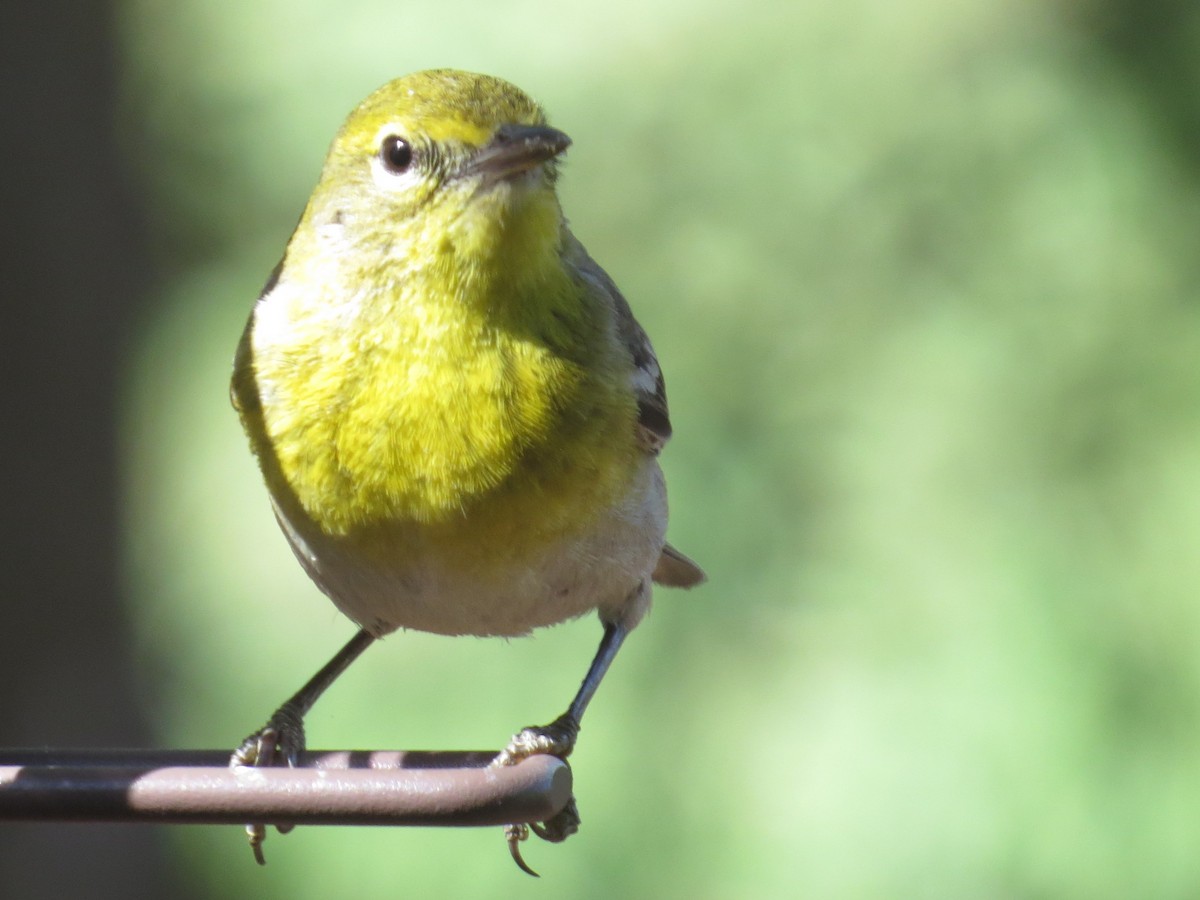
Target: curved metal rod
x=424, y=788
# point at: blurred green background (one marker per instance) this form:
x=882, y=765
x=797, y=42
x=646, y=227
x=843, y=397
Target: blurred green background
x=923, y=278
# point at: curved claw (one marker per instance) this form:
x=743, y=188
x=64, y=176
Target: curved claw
x=256, y=834
x=555, y=830
x=514, y=834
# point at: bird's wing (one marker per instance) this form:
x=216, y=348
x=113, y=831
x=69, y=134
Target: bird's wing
x=654, y=421
x=646, y=377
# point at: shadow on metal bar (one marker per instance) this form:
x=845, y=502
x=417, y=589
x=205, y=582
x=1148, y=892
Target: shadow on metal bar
x=331, y=787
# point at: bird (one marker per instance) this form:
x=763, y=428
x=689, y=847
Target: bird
x=457, y=417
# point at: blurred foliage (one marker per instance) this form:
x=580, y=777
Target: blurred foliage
x=922, y=276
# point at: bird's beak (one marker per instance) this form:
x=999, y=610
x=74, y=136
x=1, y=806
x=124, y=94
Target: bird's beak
x=515, y=149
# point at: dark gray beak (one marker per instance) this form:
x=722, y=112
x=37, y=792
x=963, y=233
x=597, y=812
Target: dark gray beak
x=515, y=149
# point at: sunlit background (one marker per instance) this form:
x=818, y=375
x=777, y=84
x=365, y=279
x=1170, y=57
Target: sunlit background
x=923, y=278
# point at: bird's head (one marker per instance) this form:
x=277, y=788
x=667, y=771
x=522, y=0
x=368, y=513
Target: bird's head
x=440, y=163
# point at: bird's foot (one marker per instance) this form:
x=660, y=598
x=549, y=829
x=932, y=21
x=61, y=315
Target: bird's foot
x=556, y=739
x=278, y=743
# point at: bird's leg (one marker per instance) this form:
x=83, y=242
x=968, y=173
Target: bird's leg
x=558, y=739
x=281, y=741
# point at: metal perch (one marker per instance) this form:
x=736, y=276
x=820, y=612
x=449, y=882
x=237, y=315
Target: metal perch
x=331, y=787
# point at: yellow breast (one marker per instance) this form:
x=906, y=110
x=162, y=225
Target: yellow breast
x=491, y=427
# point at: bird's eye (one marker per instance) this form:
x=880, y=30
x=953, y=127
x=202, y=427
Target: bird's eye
x=396, y=154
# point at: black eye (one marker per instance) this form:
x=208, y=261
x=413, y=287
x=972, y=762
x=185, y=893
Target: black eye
x=396, y=153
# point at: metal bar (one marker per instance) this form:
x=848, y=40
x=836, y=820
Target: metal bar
x=344, y=787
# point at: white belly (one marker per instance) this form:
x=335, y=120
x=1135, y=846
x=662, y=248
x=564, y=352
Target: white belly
x=601, y=567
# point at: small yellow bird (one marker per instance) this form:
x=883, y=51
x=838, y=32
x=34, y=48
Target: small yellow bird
x=456, y=415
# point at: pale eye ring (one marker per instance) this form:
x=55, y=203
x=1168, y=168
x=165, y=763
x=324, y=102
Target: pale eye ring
x=396, y=154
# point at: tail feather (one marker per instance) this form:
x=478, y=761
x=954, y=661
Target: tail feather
x=676, y=570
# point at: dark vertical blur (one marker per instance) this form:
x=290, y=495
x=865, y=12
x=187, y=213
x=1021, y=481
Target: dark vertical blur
x=73, y=271
x=1156, y=43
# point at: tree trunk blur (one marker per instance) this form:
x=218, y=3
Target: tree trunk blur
x=74, y=270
